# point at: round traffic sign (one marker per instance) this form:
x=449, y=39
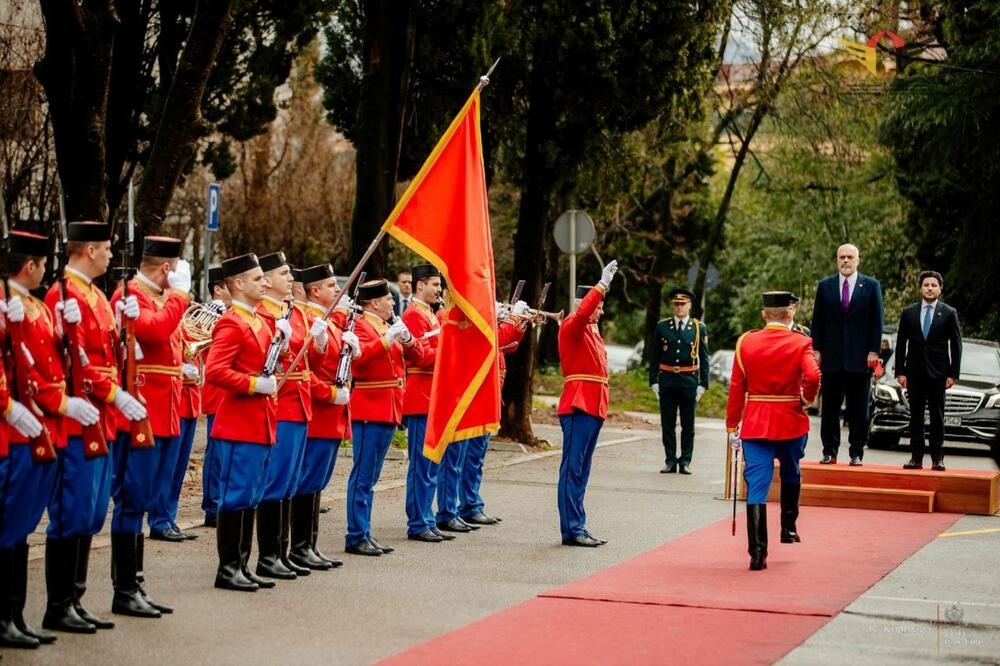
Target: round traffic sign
x=583, y=236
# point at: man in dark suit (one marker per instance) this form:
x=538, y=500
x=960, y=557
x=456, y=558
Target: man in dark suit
x=846, y=333
x=928, y=361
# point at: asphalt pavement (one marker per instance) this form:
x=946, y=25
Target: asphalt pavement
x=376, y=607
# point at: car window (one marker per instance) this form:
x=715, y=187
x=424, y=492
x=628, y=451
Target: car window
x=980, y=361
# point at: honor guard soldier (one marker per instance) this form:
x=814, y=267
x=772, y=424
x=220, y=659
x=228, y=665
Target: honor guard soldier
x=245, y=424
x=678, y=375
x=422, y=472
x=157, y=297
x=330, y=423
x=211, y=471
x=376, y=406
x=794, y=308
x=583, y=405
x=775, y=375
x=28, y=475
x=79, y=504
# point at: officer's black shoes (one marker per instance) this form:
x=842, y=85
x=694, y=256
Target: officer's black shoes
x=603, y=541
x=80, y=584
x=19, y=594
x=913, y=463
x=757, y=536
x=669, y=469
x=938, y=465
x=210, y=520
x=582, y=540
x=855, y=461
x=385, y=549
x=188, y=536
x=454, y=525
x=10, y=634
x=363, y=548
x=231, y=536
x=828, y=460
x=790, y=512
x=444, y=537
x=469, y=525
x=480, y=519
x=426, y=536
x=684, y=469
x=169, y=534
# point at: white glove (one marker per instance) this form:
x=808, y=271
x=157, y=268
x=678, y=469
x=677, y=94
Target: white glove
x=129, y=406
x=68, y=311
x=608, y=273
x=219, y=305
x=398, y=330
x=503, y=310
x=520, y=309
x=656, y=389
x=320, y=333
x=22, y=420
x=138, y=351
x=3, y=314
x=341, y=396
x=700, y=391
x=15, y=310
x=27, y=355
x=84, y=359
x=190, y=371
x=128, y=306
x=81, y=411
x=735, y=443
x=345, y=303
x=265, y=385
x=180, y=277
x=285, y=328
x=350, y=339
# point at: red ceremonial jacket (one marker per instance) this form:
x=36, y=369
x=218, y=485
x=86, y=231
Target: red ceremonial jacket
x=509, y=336
x=329, y=421
x=159, y=376
x=294, y=401
x=97, y=335
x=379, y=372
x=47, y=377
x=420, y=319
x=584, y=360
x=7, y=402
x=235, y=358
x=775, y=374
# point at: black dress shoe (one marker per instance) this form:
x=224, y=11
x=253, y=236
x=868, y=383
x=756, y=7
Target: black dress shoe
x=132, y=604
x=262, y=583
x=913, y=464
x=444, y=537
x=189, y=536
x=426, y=536
x=87, y=616
x=12, y=637
x=828, y=460
x=938, y=466
x=324, y=509
x=480, y=519
x=384, y=549
x=603, y=541
x=685, y=470
x=669, y=469
x=454, y=525
x=169, y=534
x=363, y=548
x=855, y=461
x=469, y=525
x=582, y=540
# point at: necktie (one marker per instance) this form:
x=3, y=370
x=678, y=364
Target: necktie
x=928, y=309
x=845, y=296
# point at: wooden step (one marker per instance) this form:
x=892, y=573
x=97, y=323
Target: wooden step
x=850, y=497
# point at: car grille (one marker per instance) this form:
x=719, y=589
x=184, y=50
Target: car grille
x=957, y=403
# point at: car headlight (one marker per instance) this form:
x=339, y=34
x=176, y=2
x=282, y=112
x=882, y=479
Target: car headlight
x=993, y=402
x=886, y=393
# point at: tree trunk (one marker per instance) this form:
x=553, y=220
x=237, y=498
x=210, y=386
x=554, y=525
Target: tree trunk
x=75, y=73
x=389, y=41
x=181, y=124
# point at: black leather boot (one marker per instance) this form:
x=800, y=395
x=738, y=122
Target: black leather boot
x=285, y=540
x=60, y=578
x=10, y=635
x=80, y=584
x=269, y=562
x=790, y=512
x=301, y=552
x=246, y=545
x=315, y=534
x=19, y=595
x=757, y=536
x=140, y=577
x=124, y=564
x=228, y=533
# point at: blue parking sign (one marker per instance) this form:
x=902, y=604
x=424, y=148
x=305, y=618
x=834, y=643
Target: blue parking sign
x=214, y=199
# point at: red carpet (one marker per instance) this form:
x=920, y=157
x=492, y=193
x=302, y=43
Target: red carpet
x=692, y=599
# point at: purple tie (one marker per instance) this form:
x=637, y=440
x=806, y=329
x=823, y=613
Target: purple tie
x=845, y=296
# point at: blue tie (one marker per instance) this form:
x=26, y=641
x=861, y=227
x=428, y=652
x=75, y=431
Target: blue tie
x=928, y=309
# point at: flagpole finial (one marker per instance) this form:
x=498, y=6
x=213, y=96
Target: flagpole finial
x=484, y=80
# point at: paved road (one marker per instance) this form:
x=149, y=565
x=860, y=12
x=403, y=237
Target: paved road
x=373, y=608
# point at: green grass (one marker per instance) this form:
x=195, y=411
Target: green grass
x=398, y=441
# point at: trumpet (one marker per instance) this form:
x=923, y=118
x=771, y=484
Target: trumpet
x=533, y=316
x=196, y=325
x=539, y=316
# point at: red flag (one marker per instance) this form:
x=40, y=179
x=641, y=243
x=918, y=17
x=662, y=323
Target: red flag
x=443, y=216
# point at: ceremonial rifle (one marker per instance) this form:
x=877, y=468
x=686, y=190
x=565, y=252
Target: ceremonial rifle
x=95, y=444
x=274, y=348
x=42, y=449
x=344, y=364
x=141, y=431
x=736, y=483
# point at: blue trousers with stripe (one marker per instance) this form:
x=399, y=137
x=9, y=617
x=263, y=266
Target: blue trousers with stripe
x=211, y=473
x=26, y=489
x=470, y=501
x=580, y=432
x=421, y=478
x=759, y=470
x=450, y=480
x=317, y=467
x=79, y=503
x=170, y=477
x=243, y=468
x=285, y=466
x=370, y=442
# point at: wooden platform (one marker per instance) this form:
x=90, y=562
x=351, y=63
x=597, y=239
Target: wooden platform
x=892, y=488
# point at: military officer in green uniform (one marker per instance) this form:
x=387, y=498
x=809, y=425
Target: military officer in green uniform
x=678, y=375
x=794, y=308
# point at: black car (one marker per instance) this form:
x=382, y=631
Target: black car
x=971, y=407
